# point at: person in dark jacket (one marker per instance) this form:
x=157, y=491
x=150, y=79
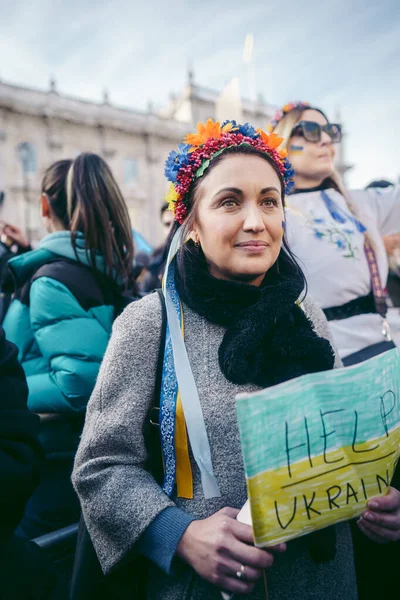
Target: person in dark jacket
x=61, y=318
x=155, y=268
x=20, y=451
x=24, y=571
x=13, y=242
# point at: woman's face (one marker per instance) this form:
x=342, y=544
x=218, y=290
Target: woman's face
x=239, y=218
x=312, y=160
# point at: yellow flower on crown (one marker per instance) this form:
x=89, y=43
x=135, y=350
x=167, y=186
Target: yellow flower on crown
x=207, y=131
x=171, y=197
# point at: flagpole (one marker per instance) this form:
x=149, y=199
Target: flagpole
x=251, y=74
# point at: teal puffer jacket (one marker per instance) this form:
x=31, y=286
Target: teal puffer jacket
x=61, y=329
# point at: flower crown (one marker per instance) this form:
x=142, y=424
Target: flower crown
x=198, y=149
x=282, y=112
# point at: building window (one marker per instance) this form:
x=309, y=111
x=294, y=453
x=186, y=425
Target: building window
x=27, y=156
x=130, y=170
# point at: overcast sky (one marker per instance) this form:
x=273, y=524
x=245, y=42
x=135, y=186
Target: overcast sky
x=337, y=53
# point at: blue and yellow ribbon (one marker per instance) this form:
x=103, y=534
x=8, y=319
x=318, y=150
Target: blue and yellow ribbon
x=174, y=442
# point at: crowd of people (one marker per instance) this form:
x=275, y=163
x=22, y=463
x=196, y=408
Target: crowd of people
x=117, y=403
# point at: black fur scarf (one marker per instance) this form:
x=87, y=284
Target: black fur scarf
x=269, y=339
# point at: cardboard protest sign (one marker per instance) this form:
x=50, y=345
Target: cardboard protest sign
x=318, y=447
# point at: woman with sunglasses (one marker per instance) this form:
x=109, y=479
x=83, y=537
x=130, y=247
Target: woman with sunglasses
x=337, y=236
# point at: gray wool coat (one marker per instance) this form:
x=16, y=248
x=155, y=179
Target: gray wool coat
x=120, y=499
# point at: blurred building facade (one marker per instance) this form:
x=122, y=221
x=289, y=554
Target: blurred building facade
x=40, y=127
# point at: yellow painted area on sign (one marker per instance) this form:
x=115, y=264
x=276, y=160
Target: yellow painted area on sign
x=335, y=487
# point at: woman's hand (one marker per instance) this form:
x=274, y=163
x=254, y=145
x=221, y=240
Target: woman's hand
x=220, y=547
x=381, y=522
x=392, y=243
x=16, y=235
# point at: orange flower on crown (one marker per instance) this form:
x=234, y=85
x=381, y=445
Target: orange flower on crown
x=272, y=140
x=207, y=131
x=288, y=107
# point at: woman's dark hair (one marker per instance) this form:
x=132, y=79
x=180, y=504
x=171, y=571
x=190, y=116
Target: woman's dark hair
x=84, y=196
x=285, y=256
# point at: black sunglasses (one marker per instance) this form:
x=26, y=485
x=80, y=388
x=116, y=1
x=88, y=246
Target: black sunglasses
x=312, y=131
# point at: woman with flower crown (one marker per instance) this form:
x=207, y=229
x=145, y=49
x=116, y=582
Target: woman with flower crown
x=337, y=236
x=237, y=321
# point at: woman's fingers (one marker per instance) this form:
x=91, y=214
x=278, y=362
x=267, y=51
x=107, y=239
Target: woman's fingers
x=363, y=526
x=16, y=234
x=243, y=550
x=388, y=503
x=249, y=555
x=384, y=535
x=231, y=567
x=278, y=548
x=244, y=533
x=230, y=512
x=385, y=520
x=236, y=586
x=219, y=548
x=382, y=518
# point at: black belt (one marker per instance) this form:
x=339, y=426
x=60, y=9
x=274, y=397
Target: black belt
x=359, y=306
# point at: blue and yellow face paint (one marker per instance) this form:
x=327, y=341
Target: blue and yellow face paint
x=294, y=149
